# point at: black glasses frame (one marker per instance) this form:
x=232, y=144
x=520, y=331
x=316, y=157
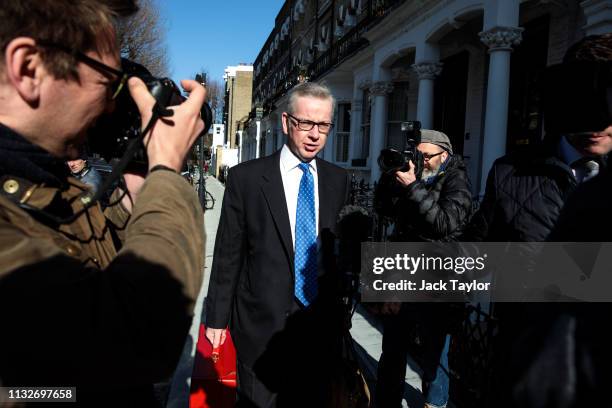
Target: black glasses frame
x=431, y=156
x=117, y=85
x=310, y=124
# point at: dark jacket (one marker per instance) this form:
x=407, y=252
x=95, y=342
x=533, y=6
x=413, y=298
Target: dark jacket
x=586, y=215
x=546, y=355
x=80, y=312
x=524, y=196
x=436, y=211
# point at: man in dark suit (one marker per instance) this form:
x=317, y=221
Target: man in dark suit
x=271, y=281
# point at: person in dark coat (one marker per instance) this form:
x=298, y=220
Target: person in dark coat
x=434, y=208
x=81, y=170
x=548, y=355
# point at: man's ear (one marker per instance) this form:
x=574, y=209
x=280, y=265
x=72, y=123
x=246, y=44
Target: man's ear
x=24, y=68
x=284, y=119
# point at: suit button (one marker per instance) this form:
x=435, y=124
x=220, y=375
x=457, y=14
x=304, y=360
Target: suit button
x=73, y=250
x=287, y=313
x=86, y=199
x=11, y=186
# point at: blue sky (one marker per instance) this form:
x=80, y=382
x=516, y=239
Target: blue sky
x=201, y=33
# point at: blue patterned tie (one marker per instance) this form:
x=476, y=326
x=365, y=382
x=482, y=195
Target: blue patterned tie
x=306, y=240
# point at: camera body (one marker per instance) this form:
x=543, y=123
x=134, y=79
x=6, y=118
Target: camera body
x=391, y=160
x=113, y=132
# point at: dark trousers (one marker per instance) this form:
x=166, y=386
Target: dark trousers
x=252, y=393
x=399, y=332
x=298, y=365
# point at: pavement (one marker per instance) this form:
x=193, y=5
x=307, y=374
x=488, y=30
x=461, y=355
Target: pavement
x=179, y=389
x=366, y=330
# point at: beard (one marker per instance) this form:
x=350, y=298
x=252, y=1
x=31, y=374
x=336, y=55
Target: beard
x=429, y=173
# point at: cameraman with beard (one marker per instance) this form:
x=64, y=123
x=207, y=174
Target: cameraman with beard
x=75, y=310
x=432, y=208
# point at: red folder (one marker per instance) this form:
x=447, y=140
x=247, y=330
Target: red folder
x=213, y=382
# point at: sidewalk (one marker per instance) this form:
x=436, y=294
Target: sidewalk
x=179, y=392
x=366, y=330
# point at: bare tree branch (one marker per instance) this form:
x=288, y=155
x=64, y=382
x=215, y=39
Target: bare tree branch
x=142, y=38
x=215, y=94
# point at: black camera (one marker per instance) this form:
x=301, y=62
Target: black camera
x=391, y=160
x=113, y=132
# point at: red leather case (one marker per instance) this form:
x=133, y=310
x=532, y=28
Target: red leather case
x=213, y=382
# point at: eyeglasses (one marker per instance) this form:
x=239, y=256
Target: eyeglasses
x=306, y=125
x=115, y=86
x=427, y=156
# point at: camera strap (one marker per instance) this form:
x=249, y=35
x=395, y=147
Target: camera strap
x=89, y=199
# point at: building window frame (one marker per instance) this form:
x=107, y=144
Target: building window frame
x=366, y=117
x=343, y=133
x=398, y=109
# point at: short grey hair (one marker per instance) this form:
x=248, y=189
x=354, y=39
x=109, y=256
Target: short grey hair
x=309, y=89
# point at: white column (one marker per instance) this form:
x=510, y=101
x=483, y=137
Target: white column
x=427, y=73
x=598, y=15
x=500, y=41
x=257, y=138
x=379, y=91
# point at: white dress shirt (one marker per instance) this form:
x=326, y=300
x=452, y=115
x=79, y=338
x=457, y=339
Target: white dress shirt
x=292, y=175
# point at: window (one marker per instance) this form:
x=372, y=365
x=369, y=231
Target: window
x=396, y=114
x=274, y=140
x=366, y=115
x=262, y=146
x=343, y=131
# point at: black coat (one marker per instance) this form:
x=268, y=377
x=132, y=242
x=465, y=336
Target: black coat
x=438, y=211
x=546, y=355
x=524, y=196
x=586, y=215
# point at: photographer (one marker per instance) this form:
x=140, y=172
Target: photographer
x=81, y=170
x=74, y=310
x=434, y=207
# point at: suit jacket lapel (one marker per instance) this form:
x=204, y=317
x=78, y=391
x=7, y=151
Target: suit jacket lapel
x=274, y=193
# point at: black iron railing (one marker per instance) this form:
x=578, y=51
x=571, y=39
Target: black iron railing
x=470, y=357
x=348, y=45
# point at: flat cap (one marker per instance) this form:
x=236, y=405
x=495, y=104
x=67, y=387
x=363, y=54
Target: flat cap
x=436, y=138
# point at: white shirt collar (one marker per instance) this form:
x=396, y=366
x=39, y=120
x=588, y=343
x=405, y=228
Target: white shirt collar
x=289, y=161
